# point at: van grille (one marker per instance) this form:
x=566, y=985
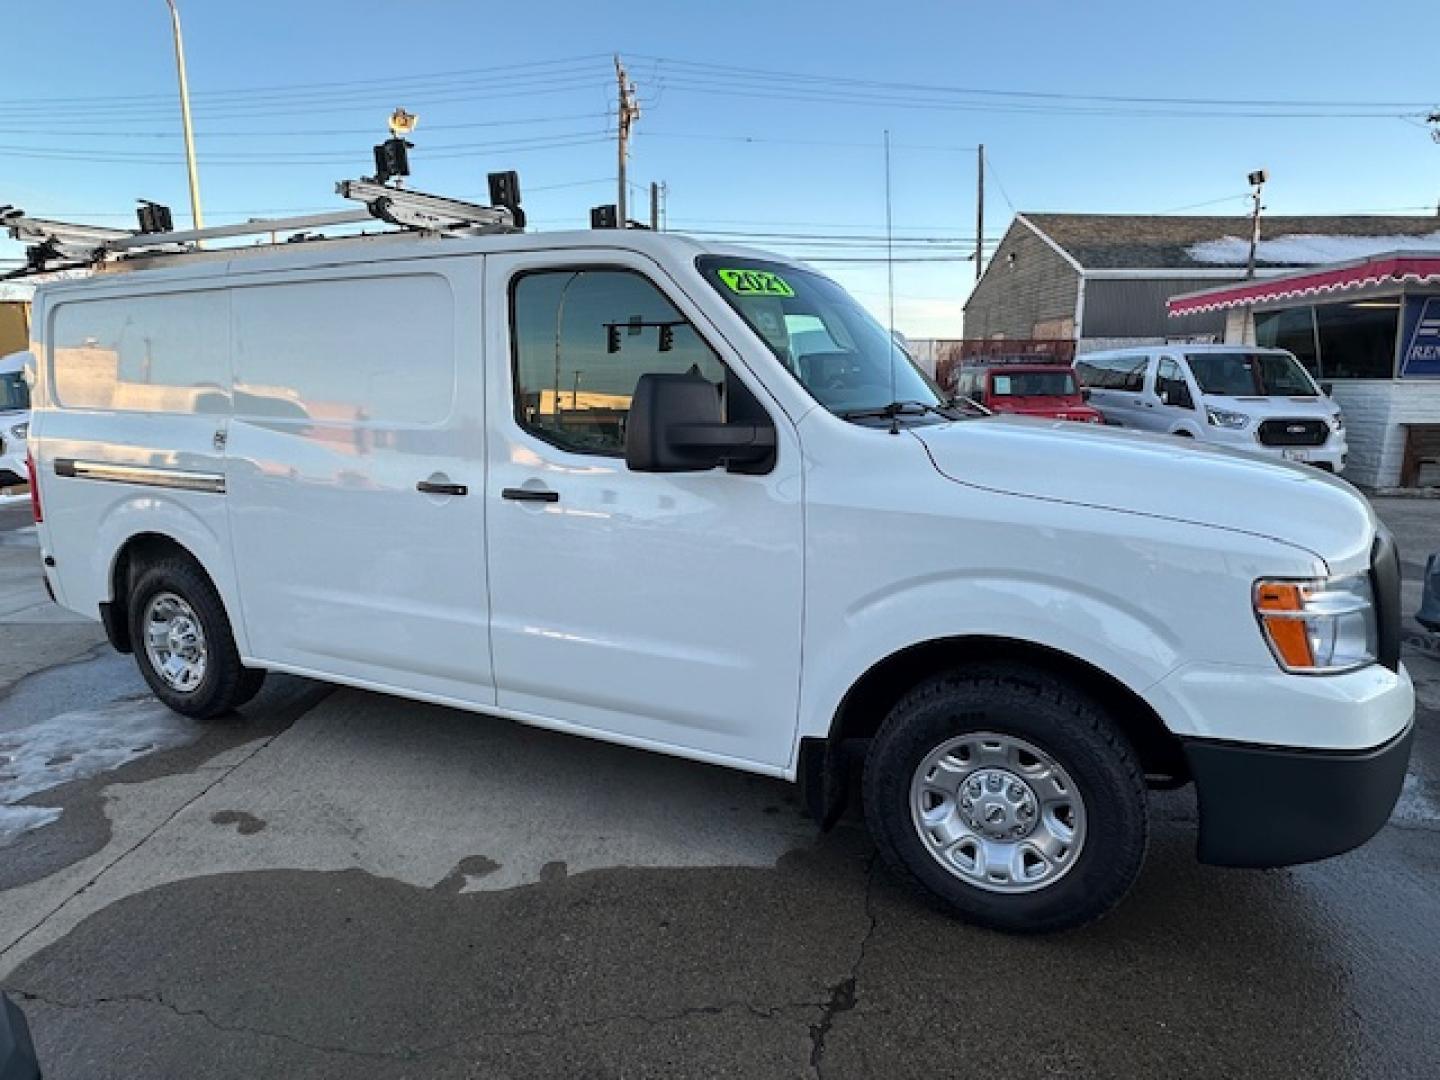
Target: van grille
x=1294, y=432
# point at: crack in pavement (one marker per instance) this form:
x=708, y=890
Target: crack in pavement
x=414, y=1054
x=120, y=857
x=845, y=994
x=200, y=1014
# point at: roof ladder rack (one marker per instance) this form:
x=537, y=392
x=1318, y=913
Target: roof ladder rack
x=54, y=242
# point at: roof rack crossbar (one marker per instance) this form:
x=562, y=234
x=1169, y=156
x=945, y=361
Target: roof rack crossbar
x=56, y=241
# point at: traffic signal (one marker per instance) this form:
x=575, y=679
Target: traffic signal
x=612, y=337
x=154, y=217
x=604, y=217
x=392, y=159
x=667, y=337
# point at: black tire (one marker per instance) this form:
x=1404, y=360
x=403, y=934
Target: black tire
x=1051, y=715
x=226, y=684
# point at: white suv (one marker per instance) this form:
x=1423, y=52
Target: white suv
x=14, y=419
x=1238, y=396
x=694, y=499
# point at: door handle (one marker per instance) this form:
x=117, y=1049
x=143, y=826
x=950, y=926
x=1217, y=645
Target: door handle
x=529, y=495
x=433, y=487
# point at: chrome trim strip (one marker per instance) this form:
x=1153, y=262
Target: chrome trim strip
x=144, y=475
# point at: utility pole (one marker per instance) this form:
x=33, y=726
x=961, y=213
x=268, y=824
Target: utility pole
x=979, y=208
x=654, y=206
x=196, y=216
x=1434, y=121
x=627, y=112
x=1257, y=183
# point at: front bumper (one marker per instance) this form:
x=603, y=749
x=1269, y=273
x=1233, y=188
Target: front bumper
x=1277, y=806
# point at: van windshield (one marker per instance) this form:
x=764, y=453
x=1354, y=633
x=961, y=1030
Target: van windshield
x=14, y=393
x=1248, y=374
x=826, y=340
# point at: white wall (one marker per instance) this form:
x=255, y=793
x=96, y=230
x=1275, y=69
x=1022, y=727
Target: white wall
x=1374, y=410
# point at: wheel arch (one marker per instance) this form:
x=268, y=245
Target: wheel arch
x=137, y=551
x=825, y=763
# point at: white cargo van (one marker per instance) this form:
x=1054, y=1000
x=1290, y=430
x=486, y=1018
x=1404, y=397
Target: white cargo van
x=1245, y=398
x=14, y=419
x=592, y=481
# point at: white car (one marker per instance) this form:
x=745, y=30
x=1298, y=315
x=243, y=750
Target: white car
x=587, y=481
x=14, y=420
x=1245, y=398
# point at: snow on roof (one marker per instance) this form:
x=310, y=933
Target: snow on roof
x=1307, y=249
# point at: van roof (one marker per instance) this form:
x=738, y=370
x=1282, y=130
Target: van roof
x=1180, y=346
x=389, y=246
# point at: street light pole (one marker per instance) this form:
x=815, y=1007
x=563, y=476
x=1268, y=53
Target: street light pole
x=196, y=216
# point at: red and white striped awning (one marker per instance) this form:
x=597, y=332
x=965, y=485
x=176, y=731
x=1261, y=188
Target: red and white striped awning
x=1381, y=270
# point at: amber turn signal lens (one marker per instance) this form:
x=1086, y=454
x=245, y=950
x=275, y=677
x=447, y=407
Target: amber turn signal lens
x=1278, y=604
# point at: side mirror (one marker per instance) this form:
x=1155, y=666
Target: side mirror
x=1085, y=393
x=1328, y=389
x=675, y=426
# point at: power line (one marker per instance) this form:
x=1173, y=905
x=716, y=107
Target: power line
x=371, y=130
x=764, y=139
x=293, y=88
x=704, y=69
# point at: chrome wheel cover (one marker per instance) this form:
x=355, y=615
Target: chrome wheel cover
x=175, y=642
x=998, y=812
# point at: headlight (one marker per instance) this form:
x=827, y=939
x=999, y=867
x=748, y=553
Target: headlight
x=21, y=431
x=1226, y=419
x=1318, y=627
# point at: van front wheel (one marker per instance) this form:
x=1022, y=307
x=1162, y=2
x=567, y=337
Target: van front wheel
x=1010, y=797
x=183, y=643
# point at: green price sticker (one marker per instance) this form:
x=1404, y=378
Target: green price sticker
x=755, y=283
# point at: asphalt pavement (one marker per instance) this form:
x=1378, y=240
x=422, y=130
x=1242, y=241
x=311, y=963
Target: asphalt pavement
x=340, y=884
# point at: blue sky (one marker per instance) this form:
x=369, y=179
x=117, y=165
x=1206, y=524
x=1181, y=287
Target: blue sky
x=92, y=124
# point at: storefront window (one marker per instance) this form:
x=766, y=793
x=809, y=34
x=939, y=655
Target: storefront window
x=1356, y=340
x=1292, y=330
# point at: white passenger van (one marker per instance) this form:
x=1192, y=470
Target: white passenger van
x=1246, y=398
x=589, y=481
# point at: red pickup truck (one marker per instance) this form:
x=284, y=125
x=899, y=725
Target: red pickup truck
x=1045, y=390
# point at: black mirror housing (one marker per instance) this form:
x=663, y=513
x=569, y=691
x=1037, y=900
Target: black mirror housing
x=1085, y=393
x=675, y=426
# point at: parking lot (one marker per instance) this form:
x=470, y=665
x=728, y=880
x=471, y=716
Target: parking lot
x=340, y=884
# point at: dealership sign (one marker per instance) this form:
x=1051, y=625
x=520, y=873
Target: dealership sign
x=1420, y=352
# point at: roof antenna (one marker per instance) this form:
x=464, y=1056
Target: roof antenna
x=890, y=279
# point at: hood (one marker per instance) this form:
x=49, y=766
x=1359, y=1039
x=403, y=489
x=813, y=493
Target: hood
x=1275, y=405
x=1045, y=406
x=1159, y=476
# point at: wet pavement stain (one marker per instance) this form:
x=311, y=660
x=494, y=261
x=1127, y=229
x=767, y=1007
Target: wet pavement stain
x=246, y=824
x=467, y=869
x=1322, y=973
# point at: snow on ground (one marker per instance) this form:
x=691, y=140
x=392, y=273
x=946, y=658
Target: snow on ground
x=1301, y=249
x=75, y=746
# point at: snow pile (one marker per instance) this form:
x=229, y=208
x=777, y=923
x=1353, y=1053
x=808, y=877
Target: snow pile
x=1307, y=249
x=75, y=746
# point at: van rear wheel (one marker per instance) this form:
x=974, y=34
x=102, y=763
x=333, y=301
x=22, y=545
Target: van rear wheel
x=1010, y=797
x=183, y=643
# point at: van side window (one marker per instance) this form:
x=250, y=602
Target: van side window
x=582, y=339
x=1132, y=373
x=1171, y=386
x=160, y=354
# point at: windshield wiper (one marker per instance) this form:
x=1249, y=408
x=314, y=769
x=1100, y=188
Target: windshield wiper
x=889, y=412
